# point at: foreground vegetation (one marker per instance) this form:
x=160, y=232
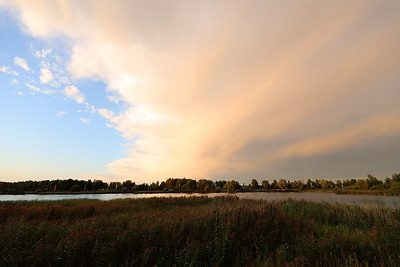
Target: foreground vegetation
x=224, y=231
x=370, y=185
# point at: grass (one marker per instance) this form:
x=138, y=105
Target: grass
x=196, y=231
x=382, y=192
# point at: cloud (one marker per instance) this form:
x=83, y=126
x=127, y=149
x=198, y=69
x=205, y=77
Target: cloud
x=73, y=92
x=128, y=145
x=230, y=89
x=21, y=63
x=84, y=120
x=37, y=89
x=46, y=76
x=19, y=93
x=14, y=81
x=43, y=53
x=61, y=113
x=8, y=70
x=113, y=99
x=109, y=115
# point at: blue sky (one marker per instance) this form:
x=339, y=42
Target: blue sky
x=44, y=134
x=147, y=90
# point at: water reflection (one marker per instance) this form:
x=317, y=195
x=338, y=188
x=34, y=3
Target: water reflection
x=361, y=200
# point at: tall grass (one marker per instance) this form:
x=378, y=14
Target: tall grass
x=201, y=231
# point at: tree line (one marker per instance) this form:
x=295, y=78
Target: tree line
x=200, y=186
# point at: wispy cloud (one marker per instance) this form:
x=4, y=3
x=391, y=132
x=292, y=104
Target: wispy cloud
x=37, y=89
x=43, y=53
x=84, y=120
x=109, y=115
x=73, y=92
x=21, y=63
x=114, y=99
x=61, y=113
x=14, y=81
x=8, y=70
x=128, y=145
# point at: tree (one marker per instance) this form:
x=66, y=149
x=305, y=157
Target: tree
x=282, y=184
x=98, y=185
x=396, y=177
x=204, y=185
x=265, y=184
x=325, y=184
x=254, y=184
x=298, y=185
x=115, y=186
x=361, y=184
x=232, y=186
x=189, y=186
x=128, y=184
x=220, y=184
x=274, y=185
x=76, y=188
x=372, y=181
x=88, y=185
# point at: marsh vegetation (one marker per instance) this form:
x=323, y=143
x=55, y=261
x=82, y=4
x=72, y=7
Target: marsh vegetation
x=196, y=231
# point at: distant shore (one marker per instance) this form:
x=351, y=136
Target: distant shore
x=387, y=193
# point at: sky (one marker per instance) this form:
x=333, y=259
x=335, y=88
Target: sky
x=146, y=90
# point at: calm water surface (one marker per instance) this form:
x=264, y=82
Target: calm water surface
x=361, y=200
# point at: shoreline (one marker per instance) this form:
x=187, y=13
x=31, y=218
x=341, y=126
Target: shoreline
x=337, y=192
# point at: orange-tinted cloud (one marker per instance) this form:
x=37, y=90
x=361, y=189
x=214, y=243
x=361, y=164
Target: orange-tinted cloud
x=221, y=89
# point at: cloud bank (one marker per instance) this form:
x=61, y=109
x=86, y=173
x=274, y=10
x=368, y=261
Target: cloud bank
x=229, y=89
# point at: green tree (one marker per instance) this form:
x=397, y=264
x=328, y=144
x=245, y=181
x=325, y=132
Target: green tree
x=76, y=188
x=232, y=186
x=361, y=184
x=373, y=181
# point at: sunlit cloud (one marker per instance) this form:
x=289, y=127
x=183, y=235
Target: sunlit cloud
x=128, y=145
x=46, y=76
x=21, y=63
x=73, y=92
x=109, y=115
x=223, y=89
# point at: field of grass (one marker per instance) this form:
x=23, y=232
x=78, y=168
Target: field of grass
x=196, y=231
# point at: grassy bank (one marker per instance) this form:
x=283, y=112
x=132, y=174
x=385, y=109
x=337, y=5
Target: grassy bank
x=200, y=231
x=385, y=192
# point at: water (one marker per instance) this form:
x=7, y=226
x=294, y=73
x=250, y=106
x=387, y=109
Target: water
x=361, y=200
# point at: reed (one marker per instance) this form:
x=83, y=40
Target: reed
x=196, y=231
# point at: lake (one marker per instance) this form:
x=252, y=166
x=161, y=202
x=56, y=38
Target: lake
x=361, y=200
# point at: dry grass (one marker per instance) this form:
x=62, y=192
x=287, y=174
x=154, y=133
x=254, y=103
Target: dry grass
x=194, y=231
